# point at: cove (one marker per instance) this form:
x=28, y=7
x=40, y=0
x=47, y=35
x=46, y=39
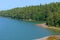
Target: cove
x=12, y=29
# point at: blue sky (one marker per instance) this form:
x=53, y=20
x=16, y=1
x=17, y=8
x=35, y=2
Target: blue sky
x=8, y=4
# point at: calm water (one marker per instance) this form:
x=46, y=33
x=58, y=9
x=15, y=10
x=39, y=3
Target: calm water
x=12, y=29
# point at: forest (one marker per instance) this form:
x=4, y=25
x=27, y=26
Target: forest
x=50, y=13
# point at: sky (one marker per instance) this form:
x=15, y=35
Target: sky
x=9, y=4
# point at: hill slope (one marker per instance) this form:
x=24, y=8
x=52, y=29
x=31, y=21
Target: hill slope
x=48, y=12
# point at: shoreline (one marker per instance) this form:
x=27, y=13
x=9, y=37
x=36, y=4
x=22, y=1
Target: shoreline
x=56, y=37
x=43, y=25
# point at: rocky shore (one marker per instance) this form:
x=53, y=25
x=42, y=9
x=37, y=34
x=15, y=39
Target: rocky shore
x=43, y=25
x=55, y=37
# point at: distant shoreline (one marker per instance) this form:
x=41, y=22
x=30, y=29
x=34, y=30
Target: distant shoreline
x=43, y=25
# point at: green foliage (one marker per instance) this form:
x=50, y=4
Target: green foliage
x=48, y=12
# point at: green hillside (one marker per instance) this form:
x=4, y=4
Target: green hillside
x=47, y=12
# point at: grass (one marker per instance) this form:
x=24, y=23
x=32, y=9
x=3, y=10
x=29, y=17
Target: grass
x=54, y=28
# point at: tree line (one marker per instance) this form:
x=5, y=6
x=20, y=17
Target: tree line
x=50, y=13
